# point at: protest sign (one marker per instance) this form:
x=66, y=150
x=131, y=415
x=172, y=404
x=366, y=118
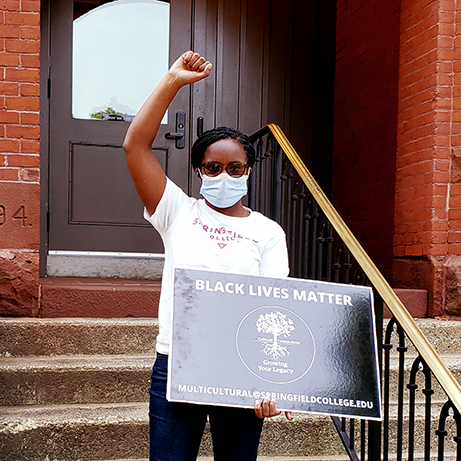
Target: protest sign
x=309, y=345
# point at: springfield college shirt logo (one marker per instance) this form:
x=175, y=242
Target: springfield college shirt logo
x=221, y=234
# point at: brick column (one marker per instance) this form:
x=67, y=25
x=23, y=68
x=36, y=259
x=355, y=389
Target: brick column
x=427, y=244
x=19, y=157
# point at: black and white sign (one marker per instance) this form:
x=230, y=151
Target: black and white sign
x=309, y=345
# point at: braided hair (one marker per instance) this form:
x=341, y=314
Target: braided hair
x=217, y=134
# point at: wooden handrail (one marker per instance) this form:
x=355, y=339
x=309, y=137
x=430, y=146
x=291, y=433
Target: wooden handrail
x=424, y=347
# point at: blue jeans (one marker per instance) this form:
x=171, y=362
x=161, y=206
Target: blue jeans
x=176, y=429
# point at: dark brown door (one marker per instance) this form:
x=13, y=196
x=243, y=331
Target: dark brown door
x=93, y=205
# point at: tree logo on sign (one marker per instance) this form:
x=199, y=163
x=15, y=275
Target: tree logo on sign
x=278, y=325
x=275, y=344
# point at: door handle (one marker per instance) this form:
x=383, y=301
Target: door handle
x=179, y=134
x=199, y=126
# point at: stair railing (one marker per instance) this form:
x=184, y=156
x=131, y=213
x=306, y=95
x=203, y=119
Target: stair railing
x=321, y=247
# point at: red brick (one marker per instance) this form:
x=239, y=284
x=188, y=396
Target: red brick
x=455, y=225
x=30, y=5
x=454, y=249
x=439, y=202
x=2, y=160
x=438, y=225
x=7, y=88
x=445, y=42
x=435, y=250
x=30, y=147
x=24, y=103
x=9, y=174
x=439, y=189
x=9, y=145
x=9, y=5
x=28, y=132
x=454, y=237
x=30, y=89
x=9, y=117
x=22, y=46
x=456, y=189
x=30, y=118
x=446, y=29
x=455, y=201
x=454, y=213
x=29, y=19
x=9, y=31
x=441, y=177
x=9, y=60
x=24, y=161
x=30, y=61
x=23, y=75
x=414, y=250
x=30, y=33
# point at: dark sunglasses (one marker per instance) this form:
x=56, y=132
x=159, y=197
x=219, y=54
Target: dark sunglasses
x=235, y=169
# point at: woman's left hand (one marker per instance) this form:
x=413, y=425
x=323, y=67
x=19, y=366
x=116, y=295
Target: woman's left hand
x=267, y=409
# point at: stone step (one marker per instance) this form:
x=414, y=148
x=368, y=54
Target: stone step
x=112, y=431
x=418, y=457
x=28, y=337
x=98, y=297
x=453, y=362
x=268, y=458
x=444, y=335
x=95, y=432
x=75, y=379
x=121, y=378
x=85, y=336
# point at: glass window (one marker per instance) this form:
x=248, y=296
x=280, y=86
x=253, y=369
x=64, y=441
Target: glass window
x=120, y=53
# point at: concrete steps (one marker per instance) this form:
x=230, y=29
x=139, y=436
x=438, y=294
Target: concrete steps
x=77, y=389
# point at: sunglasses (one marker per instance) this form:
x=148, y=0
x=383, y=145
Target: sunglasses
x=235, y=169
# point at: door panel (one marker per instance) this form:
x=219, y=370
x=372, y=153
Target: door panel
x=88, y=179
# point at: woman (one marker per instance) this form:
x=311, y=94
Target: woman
x=222, y=158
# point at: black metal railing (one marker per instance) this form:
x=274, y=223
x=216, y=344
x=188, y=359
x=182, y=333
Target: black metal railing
x=321, y=247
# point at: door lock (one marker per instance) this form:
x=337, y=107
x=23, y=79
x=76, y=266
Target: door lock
x=179, y=134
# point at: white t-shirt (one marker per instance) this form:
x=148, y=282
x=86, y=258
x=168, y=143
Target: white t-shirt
x=196, y=235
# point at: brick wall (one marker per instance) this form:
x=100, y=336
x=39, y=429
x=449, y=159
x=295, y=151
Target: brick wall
x=424, y=131
x=428, y=172
x=19, y=156
x=365, y=122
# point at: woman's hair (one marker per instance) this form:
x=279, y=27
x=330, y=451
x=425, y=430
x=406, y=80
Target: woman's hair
x=209, y=137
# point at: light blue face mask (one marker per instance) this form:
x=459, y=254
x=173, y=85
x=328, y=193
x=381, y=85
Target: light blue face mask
x=223, y=191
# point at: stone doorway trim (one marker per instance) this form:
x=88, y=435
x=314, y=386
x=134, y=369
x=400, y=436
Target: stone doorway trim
x=101, y=264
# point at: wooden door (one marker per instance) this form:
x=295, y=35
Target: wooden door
x=91, y=202
x=93, y=205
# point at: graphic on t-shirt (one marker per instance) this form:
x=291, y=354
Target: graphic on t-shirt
x=222, y=234
x=275, y=344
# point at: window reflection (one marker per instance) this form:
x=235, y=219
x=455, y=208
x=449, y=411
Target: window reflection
x=120, y=53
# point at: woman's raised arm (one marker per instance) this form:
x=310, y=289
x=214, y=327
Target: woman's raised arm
x=146, y=172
